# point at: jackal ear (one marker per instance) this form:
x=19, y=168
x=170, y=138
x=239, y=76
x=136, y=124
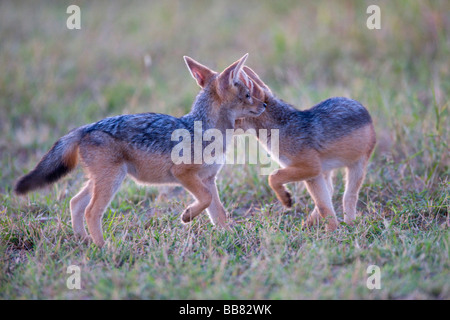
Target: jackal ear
x=199, y=72
x=252, y=74
x=245, y=79
x=233, y=73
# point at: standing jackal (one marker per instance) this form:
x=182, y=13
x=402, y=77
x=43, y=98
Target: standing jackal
x=337, y=132
x=140, y=145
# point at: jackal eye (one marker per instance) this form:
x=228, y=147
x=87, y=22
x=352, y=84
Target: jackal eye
x=247, y=95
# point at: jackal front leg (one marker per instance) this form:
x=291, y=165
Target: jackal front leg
x=190, y=180
x=216, y=211
x=318, y=189
x=314, y=217
x=289, y=174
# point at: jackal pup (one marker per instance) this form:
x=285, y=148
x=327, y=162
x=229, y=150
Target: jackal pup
x=337, y=132
x=140, y=145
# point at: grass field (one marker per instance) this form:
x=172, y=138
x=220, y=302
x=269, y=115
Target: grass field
x=54, y=79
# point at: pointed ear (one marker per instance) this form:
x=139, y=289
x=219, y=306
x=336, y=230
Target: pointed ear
x=233, y=73
x=245, y=79
x=238, y=69
x=252, y=74
x=199, y=72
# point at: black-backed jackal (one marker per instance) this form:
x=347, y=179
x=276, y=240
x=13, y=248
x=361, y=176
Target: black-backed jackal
x=337, y=132
x=140, y=145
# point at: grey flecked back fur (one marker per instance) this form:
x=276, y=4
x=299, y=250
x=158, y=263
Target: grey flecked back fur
x=152, y=131
x=316, y=127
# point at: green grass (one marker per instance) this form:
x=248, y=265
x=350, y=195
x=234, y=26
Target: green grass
x=53, y=80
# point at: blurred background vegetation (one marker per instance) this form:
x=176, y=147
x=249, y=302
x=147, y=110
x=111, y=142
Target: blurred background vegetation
x=127, y=58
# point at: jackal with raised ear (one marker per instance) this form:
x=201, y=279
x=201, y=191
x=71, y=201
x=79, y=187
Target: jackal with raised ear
x=140, y=145
x=337, y=132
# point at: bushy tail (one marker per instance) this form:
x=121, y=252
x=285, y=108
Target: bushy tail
x=56, y=163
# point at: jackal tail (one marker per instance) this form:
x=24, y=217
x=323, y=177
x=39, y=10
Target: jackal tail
x=56, y=163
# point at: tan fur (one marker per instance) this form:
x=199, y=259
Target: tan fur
x=315, y=168
x=107, y=167
x=70, y=157
x=108, y=159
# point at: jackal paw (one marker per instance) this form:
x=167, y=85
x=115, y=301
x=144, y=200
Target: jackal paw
x=286, y=199
x=349, y=220
x=332, y=224
x=186, y=216
x=84, y=238
x=313, y=219
x=222, y=223
x=226, y=227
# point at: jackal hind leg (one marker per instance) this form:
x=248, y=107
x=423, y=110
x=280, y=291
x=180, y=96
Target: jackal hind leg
x=353, y=180
x=105, y=186
x=78, y=206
